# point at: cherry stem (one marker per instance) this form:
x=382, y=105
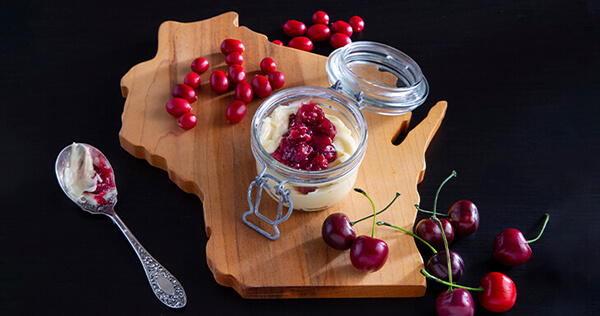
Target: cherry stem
x=367, y=217
x=543, y=228
x=453, y=174
x=406, y=231
x=429, y=276
x=429, y=212
x=374, y=210
x=437, y=221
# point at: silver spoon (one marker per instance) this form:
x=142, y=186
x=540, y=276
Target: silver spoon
x=86, y=177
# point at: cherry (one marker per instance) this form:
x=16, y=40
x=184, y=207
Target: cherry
x=267, y=65
x=262, y=87
x=464, y=217
x=200, y=65
x=219, y=83
x=431, y=232
x=230, y=45
x=293, y=28
x=185, y=92
x=301, y=43
x=187, y=121
x=368, y=254
x=455, y=302
x=236, y=74
x=320, y=17
x=243, y=92
x=438, y=265
x=357, y=23
x=499, y=294
x=510, y=247
x=235, y=112
x=341, y=27
x=276, y=79
x=193, y=80
x=338, y=40
x=277, y=42
x=178, y=106
x=234, y=58
x=318, y=32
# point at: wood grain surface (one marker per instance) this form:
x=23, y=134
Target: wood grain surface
x=214, y=162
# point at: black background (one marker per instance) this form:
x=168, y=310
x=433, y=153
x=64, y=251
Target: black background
x=521, y=79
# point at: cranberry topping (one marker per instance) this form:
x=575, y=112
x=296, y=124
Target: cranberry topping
x=104, y=183
x=308, y=143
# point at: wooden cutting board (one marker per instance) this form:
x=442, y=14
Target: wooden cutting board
x=214, y=162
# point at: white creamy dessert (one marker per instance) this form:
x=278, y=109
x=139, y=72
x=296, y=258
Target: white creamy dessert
x=327, y=193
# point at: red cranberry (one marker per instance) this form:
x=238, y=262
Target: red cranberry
x=302, y=43
x=278, y=42
x=219, y=83
x=229, y=46
x=186, y=92
x=178, y=106
x=276, y=79
x=200, y=65
x=338, y=40
x=236, y=74
x=243, y=92
x=262, y=87
x=357, y=23
x=235, y=111
x=320, y=17
x=234, y=58
x=310, y=114
x=318, y=32
x=267, y=65
x=187, y=121
x=341, y=27
x=293, y=28
x=193, y=80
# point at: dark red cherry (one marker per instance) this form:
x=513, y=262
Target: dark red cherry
x=368, y=254
x=337, y=231
x=457, y=302
x=438, y=265
x=464, y=217
x=511, y=248
x=430, y=231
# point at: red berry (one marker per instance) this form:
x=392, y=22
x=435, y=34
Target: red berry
x=357, y=23
x=341, y=27
x=193, y=80
x=219, y=83
x=302, y=43
x=293, y=28
x=200, y=65
x=235, y=111
x=187, y=121
x=186, y=92
x=320, y=17
x=229, y=46
x=178, y=106
x=338, y=40
x=267, y=65
x=234, y=58
x=278, y=42
x=262, y=87
x=243, y=92
x=276, y=79
x=318, y=32
x=236, y=74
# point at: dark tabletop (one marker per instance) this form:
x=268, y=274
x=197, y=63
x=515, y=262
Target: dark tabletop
x=521, y=79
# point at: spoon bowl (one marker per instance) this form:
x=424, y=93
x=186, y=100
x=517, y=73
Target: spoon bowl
x=87, y=178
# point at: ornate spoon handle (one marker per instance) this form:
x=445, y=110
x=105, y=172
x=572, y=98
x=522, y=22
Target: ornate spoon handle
x=165, y=286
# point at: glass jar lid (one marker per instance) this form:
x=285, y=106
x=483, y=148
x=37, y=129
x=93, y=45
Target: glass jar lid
x=391, y=82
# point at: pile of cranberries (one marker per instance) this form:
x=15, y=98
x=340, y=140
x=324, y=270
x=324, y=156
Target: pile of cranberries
x=185, y=94
x=338, y=33
x=308, y=142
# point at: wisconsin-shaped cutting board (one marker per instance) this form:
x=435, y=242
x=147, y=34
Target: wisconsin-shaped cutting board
x=214, y=161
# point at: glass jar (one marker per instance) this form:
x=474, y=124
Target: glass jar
x=312, y=190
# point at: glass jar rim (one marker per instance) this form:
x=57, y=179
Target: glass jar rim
x=300, y=92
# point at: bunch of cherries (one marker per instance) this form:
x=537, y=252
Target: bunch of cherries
x=261, y=85
x=338, y=33
x=497, y=291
